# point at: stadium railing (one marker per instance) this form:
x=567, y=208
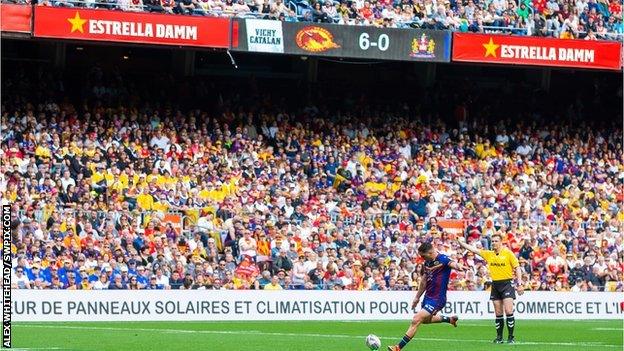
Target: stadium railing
x=525, y=32
x=189, y=225
x=501, y=29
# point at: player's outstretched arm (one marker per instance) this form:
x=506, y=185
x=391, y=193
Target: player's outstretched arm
x=457, y=266
x=462, y=242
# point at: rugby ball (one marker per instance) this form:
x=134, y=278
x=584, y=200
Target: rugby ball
x=373, y=342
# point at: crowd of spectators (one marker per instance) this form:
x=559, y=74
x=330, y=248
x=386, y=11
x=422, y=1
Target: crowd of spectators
x=306, y=198
x=584, y=19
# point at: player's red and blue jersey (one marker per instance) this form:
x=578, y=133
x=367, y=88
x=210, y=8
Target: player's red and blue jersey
x=436, y=274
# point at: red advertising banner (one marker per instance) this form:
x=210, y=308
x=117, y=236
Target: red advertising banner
x=15, y=18
x=452, y=226
x=537, y=51
x=143, y=28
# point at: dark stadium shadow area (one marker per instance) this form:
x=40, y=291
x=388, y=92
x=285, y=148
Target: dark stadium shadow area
x=191, y=79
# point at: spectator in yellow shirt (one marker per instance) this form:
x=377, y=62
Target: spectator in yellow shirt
x=274, y=284
x=159, y=205
x=42, y=151
x=145, y=201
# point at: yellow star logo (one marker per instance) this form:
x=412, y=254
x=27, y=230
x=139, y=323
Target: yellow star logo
x=490, y=48
x=77, y=23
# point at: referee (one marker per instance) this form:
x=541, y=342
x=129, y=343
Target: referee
x=502, y=263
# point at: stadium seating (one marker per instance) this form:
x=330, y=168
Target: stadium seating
x=584, y=19
x=296, y=200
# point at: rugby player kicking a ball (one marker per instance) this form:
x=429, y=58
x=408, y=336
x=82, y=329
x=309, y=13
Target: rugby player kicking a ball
x=433, y=283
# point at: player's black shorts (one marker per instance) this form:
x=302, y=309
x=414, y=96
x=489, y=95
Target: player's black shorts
x=502, y=289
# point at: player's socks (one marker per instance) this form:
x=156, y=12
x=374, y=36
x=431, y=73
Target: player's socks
x=511, y=323
x=404, y=341
x=500, y=323
x=445, y=319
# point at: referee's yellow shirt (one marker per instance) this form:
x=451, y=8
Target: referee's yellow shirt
x=501, y=266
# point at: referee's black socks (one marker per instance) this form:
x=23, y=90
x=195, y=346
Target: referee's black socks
x=500, y=323
x=511, y=323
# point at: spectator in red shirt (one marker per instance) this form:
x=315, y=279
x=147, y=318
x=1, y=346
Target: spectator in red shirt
x=539, y=5
x=615, y=8
x=168, y=6
x=366, y=11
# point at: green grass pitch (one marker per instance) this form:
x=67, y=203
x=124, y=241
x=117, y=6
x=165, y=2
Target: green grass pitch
x=311, y=336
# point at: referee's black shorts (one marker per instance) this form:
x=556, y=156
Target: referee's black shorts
x=502, y=289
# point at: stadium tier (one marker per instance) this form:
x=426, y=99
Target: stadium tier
x=443, y=32
x=118, y=182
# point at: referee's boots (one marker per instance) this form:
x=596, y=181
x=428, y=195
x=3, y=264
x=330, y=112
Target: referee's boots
x=498, y=340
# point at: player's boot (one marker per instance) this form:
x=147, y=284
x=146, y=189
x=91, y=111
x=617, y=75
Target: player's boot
x=498, y=340
x=511, y=340
x=453, y=321
x=394, y=348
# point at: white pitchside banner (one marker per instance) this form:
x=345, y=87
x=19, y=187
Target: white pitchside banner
x=210, y=305
x=264, y=36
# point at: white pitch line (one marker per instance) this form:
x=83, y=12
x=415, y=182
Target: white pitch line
x=471, y=325
x=340, y=336
x=609, y=329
